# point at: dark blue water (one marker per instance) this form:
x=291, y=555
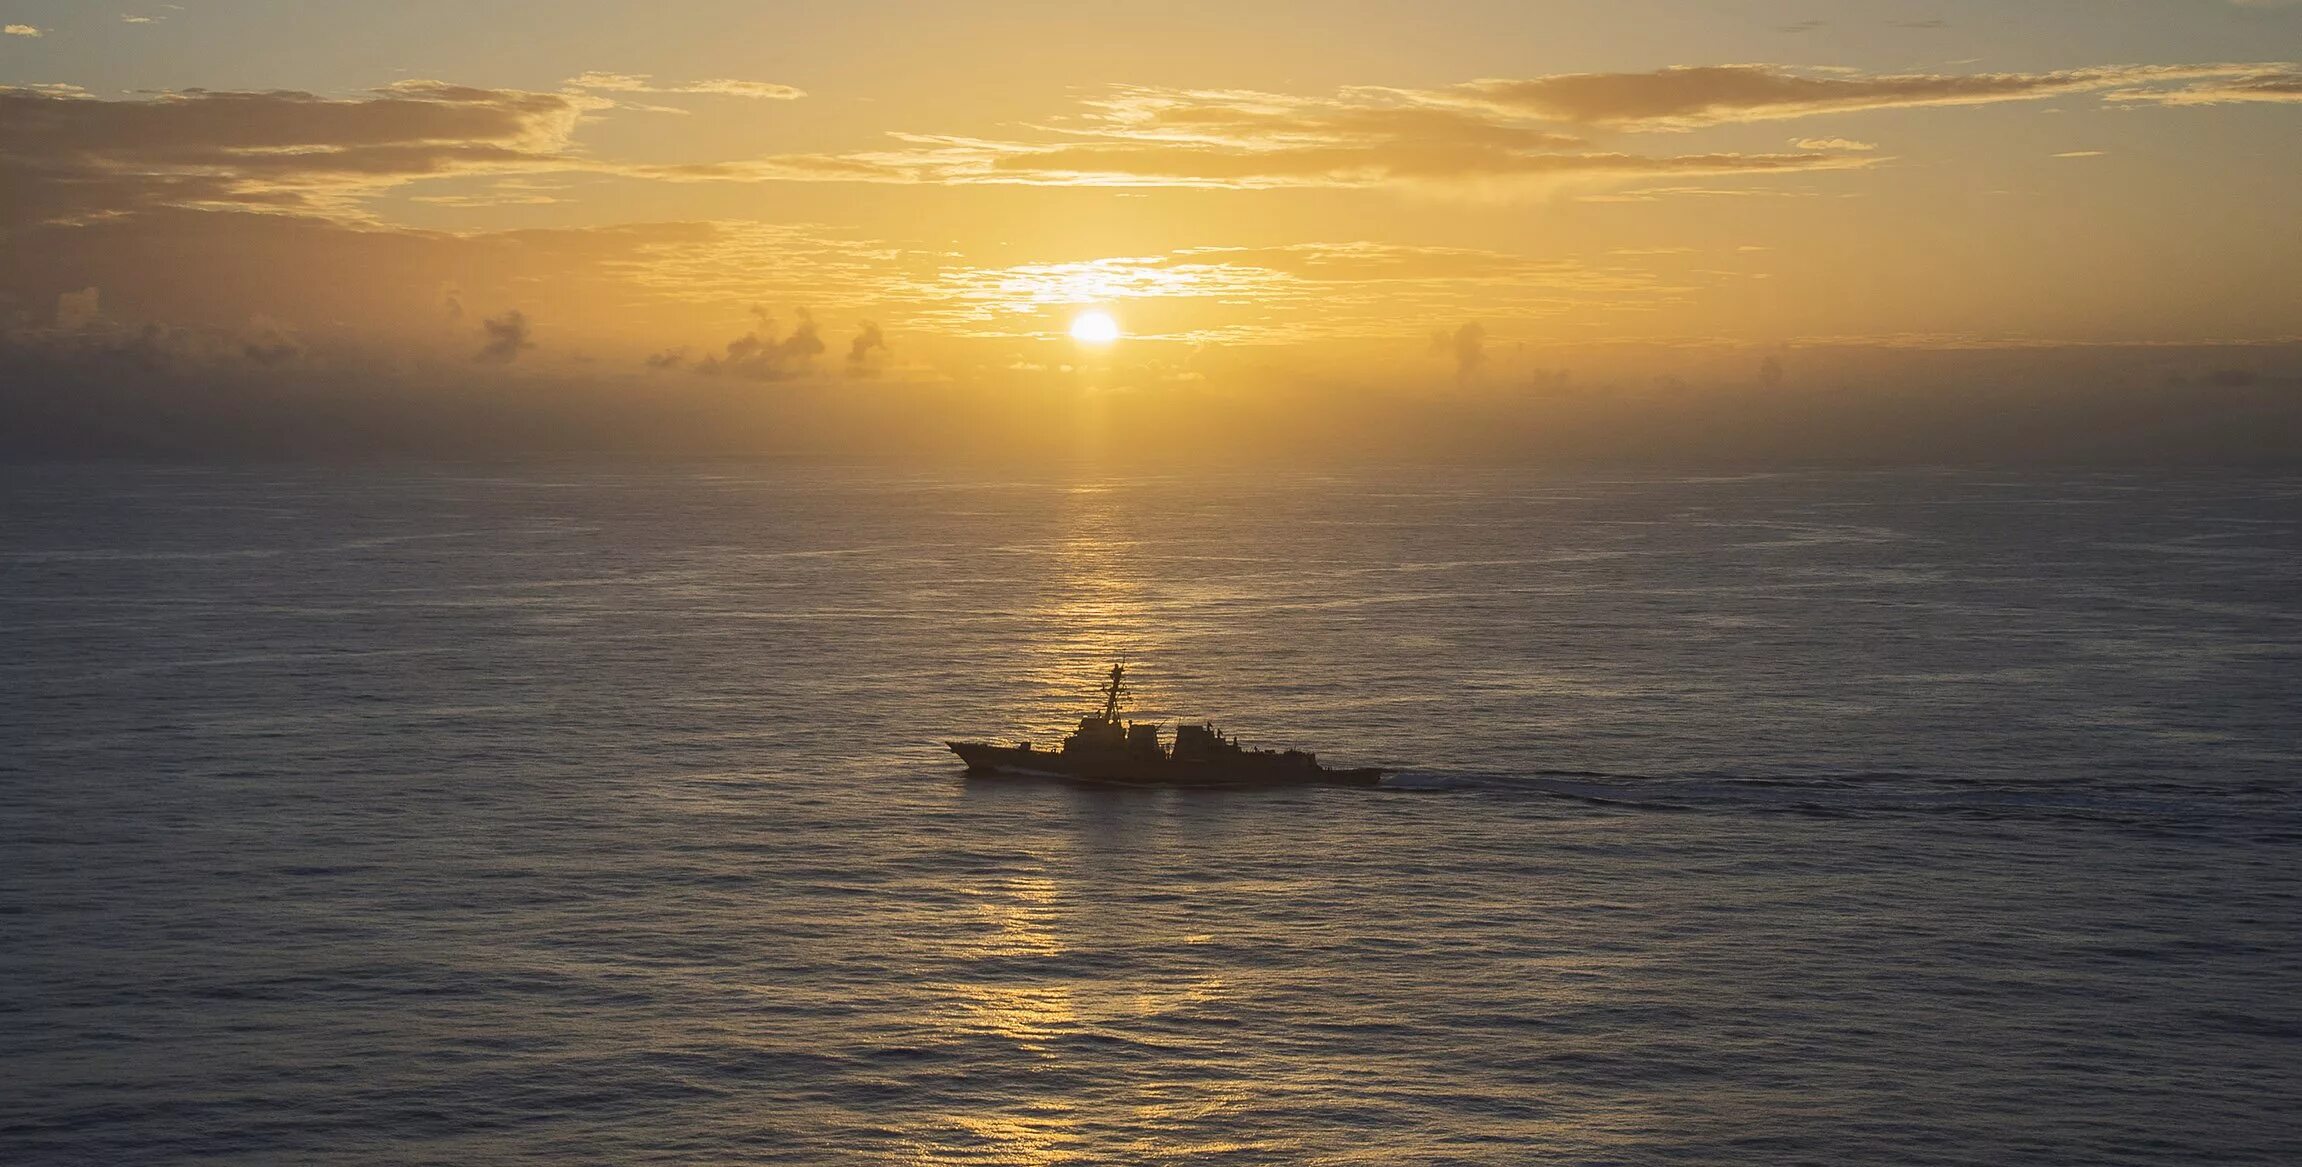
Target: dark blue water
x=597, y=814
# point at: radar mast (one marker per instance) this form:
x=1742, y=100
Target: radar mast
x=1112, y=690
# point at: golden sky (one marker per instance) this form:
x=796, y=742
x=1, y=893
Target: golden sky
x=884, y=184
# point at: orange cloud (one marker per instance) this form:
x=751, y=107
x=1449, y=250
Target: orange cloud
x=1481, y=132
x=722, y=87
x=1148, y=137
x=69, y=155
x=2268, y=86
x=1692, y=96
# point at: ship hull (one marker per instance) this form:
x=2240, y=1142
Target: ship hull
x=1120, y=770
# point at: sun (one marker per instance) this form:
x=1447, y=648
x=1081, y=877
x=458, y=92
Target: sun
x=1094, y=327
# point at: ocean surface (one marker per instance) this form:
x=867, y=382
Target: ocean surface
x=567, y=813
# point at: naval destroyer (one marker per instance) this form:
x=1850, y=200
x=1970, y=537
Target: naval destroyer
x=1129, y=753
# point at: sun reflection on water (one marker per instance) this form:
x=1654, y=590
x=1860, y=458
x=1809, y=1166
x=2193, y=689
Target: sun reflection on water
x=1097, y=608
x=1021, y=913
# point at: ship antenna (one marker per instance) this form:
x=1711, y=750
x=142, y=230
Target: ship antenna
x=1112, y=690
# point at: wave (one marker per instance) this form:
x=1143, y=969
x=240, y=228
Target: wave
x=2268, y=814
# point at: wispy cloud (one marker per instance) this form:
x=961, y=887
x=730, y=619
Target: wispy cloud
x=1290, y=292
x=721, y=87
x=1691, y=97
x=1141, y=136
x=962, y=163
x=2273, y=86
x=1489, y=134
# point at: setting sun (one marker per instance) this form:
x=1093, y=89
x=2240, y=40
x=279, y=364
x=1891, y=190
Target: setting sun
x=1094, y=328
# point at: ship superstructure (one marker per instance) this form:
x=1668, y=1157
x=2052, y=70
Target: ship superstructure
x=1107, y=748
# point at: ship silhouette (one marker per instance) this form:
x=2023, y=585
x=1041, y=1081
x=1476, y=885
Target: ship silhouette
x=1105, y=749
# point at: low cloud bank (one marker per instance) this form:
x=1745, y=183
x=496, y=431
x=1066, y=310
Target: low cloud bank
x=258, y=392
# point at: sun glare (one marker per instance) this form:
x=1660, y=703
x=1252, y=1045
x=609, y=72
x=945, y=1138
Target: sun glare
x=1094, y=328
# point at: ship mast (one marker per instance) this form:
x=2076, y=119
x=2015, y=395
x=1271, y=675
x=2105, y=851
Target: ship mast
x=1111, y=690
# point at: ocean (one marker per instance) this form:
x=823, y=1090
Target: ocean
x=598, y=813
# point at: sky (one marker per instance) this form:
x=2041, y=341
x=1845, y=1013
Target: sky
x=1473, y=192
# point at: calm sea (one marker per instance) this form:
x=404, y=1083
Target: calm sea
x=598, y=814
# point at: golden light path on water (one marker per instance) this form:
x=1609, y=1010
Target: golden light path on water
x=1116, y=592
x=1098, y=610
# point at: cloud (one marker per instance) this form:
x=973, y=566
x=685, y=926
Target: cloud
x=77, y=310
x=613, y=82
x=1656, y=194
x=722, y=87
x=2269, y=86
x=1295, y=292
x=113, y=390
x=20, y=30
x=270, y=342
x=1357, y=167
x=1328, y=264
x=83, y=336
x=1467, y=344
x=507, y=337
x=1141, y=137
x=760, y=90
x=69, y=155
x=612, y=290
x=1693, y=96
x=865, y=351
x=1484, y=132
x=1250, y=120
x=759, y=355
